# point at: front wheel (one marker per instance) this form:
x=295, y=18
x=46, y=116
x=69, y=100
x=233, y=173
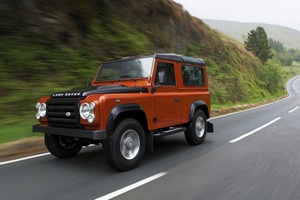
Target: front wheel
x=196, y=130
x=60, y=146
x=127, y=146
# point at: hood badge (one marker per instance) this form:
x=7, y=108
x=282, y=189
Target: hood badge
x=68, y=94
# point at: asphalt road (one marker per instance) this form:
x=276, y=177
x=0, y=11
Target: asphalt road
x=253, y=154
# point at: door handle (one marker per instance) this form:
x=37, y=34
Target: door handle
x=175, y=100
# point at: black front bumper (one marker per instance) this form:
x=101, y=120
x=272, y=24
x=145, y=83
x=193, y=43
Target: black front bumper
x=78, y=133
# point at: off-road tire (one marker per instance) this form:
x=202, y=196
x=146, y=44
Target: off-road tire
x=60, y=146
x=196, y=130
x=126, y=148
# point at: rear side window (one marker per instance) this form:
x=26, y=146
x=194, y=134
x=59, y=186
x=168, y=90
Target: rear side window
x=192, y=75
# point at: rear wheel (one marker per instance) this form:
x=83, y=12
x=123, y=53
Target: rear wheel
x=127, y=146
x=196, y=129
x=60, y=146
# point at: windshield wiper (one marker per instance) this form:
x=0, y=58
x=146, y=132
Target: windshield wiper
x=104, y=77
x=126, y=76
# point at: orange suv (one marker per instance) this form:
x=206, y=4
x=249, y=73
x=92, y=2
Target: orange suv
x=131, y=101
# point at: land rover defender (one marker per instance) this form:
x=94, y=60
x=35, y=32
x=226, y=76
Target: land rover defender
x=130, y=101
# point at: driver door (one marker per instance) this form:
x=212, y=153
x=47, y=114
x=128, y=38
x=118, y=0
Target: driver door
x=166, y=98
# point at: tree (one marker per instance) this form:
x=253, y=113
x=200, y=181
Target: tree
x=276, y=45
x=257, y=42
x=297, y=56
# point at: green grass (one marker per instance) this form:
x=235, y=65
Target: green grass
x=252, y=101
x=19, y=131
x=291, y=71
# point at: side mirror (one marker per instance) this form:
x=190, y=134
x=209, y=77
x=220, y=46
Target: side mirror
x=162, y=77
x=87, y=83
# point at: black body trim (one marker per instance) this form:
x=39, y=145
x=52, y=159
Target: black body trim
x=210, y=126
x=78, y=133
x=120, y=109
x=194, y=105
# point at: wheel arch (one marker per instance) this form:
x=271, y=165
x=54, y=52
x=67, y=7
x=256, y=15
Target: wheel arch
x=131, y=110
x=198, y=105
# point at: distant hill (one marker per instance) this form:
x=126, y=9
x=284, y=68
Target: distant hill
x=290, y=38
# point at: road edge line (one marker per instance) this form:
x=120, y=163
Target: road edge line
x=24, y=158
x=254, y=131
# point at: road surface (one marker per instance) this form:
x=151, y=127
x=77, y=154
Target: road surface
x=253, y=154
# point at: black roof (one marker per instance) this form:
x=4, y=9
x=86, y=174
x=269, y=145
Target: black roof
x=179, y=58
x=167, y=56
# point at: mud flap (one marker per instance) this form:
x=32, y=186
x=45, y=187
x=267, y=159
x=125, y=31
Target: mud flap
x=210, y=127
x=149, y=142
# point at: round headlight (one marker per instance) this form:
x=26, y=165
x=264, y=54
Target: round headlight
x=84, y=110
x=41, y=110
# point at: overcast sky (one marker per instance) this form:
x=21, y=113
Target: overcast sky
x=285, y=13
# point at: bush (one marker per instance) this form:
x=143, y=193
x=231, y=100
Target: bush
x=271, y=74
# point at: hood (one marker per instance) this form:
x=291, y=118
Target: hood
x=107, y=89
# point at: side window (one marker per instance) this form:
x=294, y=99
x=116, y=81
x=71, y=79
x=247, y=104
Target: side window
x=165, y=74
x=192, y=75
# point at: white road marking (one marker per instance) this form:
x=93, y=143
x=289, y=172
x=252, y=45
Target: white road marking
x=131, y=187
x=294, y=109
x=34, y=156
x=294, y=85
x=255, y=130
x=25, y=158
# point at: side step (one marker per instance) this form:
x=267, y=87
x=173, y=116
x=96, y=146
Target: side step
x=151, y=135
x=171, y=131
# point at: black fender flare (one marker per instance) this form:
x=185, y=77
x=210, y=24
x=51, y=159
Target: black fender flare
x=201, y=105
x=119, y=109
x=131, y=107
x=198, y=104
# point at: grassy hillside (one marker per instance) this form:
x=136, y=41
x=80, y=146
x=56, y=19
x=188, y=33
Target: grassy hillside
x=48, y=46
x=239, y=30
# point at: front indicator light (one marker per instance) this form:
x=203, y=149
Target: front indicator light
x=91, y=118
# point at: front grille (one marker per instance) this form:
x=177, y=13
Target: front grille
x=63, y=112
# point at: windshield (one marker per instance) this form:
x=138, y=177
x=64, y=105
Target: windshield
x=127, y=69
